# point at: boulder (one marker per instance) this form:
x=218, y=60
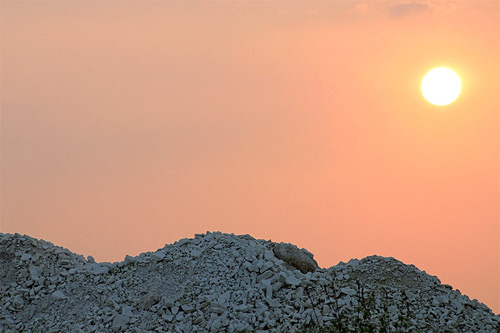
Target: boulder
x=301, y=259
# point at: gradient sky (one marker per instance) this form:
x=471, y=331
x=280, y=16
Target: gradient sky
x=128, y=125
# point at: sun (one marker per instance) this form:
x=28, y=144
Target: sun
x=441, y=86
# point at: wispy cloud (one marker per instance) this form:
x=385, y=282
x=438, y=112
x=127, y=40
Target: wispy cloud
x=399, y=8
x=404, y=8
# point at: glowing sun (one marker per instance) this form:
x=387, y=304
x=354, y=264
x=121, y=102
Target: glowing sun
x=441, y=86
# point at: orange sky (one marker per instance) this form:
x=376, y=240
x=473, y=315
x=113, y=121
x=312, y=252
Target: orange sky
x=128, y=125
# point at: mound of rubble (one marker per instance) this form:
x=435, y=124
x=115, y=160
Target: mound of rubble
x=223, y=282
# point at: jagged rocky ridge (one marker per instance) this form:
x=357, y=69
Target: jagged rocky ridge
x=223, y=282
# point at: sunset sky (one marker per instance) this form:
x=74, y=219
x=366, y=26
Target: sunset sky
x=128, y=125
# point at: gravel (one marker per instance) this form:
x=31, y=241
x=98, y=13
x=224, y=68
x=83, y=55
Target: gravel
x=222, y=282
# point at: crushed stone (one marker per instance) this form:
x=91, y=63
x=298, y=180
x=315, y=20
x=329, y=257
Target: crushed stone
x=222, y=283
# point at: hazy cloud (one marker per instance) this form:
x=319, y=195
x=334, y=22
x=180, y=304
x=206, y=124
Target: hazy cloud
x=407, y=7
x=361, y=7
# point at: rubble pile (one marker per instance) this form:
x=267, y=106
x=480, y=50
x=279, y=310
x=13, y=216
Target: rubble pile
x=223, y=282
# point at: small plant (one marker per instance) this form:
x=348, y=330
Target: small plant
x=363, y=310
x=404, y=322
x=313, y=307
x=365, y=317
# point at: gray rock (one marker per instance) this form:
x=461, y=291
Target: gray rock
x=266, y=265
x=59, y=295
x=187, y=308
x=150, y=299
x=18, y=301
x=158, y=256
x=34, y=273
x=127, y=311
x=274, y=303
x=196, y=253
x=129, y=260
x=120, y=323
x=292, y=280
x=98, y=269
x=167, y=317
x=298, y=258
x=264, y=276
x=348, y=291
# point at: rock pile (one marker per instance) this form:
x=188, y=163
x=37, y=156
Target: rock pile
x=223, y=282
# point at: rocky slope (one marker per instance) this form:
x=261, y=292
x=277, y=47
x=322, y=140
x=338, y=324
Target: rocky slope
x=223, y=282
